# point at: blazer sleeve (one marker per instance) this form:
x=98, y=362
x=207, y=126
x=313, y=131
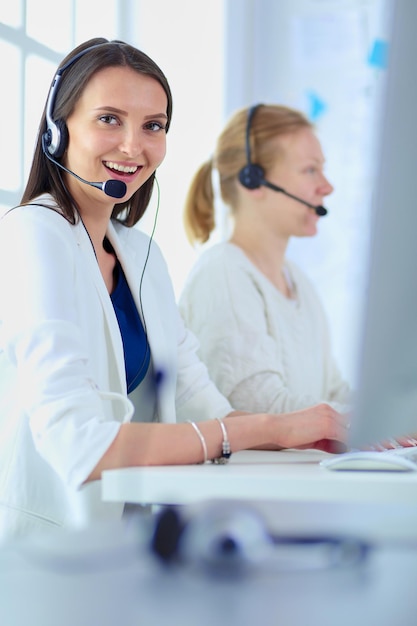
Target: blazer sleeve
x=44, y=343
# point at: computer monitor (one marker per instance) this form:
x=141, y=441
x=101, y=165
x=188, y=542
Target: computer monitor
x=386, y=402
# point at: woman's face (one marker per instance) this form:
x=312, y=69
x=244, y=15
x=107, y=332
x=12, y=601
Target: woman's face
x=300, y=172
x=116, y=131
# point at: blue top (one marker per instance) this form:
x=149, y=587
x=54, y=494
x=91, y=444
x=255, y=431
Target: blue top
x=135, y=342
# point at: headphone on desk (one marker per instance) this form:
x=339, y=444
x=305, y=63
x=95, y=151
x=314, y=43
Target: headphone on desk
x=231, y=538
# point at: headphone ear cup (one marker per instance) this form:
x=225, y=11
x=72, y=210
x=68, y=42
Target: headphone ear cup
x=56, y=139
x=167, y=533
x=251, y=176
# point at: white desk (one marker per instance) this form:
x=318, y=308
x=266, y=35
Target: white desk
x=289, y=488
x=104, y=576
x=289, y=475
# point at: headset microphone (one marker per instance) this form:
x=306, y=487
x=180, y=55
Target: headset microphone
x=252, y=175
x=320, y=210
x=112, y=188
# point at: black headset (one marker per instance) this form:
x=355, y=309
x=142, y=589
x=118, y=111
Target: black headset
x=54, y=144
x=231, y=538
x=252, y=175
x=55, y=139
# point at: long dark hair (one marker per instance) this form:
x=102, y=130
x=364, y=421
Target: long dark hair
x=44, y=176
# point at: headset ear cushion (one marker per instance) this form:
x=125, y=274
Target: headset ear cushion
x=251, y=176
x=168, y=530
x=55, y=139
x=62, y=139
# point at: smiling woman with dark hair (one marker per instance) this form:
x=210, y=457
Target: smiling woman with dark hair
x=93, y=351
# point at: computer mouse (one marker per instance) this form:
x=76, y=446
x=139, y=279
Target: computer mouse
x=373, y=460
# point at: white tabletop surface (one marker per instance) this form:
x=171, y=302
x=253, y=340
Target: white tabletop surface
x=288, y=475
x=105, y=576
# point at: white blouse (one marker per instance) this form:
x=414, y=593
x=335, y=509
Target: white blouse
x=265, y=352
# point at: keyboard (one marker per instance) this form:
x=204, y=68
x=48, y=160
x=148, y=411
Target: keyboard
x=393, y=460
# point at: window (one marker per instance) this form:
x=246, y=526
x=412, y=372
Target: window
x=31, y=47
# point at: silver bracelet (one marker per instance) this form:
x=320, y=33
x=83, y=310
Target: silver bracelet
x=226, y=451
x=200, y=436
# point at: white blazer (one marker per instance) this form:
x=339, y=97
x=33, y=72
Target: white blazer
x=62, y=376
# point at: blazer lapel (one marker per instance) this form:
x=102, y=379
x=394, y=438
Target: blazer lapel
x=113, y=339
x=148, y=304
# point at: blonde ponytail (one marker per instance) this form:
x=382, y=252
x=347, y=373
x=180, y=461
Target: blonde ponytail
x=199, y=213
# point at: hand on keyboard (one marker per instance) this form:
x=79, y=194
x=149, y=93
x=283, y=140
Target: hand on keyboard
x=392, y=444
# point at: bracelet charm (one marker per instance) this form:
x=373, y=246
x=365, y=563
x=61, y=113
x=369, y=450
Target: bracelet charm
x=226, y=450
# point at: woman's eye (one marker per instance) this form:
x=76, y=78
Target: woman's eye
x=155, y=126
x=108, y=119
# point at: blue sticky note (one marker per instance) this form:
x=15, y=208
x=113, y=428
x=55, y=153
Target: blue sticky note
x=378, y=57
x=317, y=106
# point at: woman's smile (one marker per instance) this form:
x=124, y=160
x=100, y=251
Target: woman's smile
x=119, y=171
x=123, y=169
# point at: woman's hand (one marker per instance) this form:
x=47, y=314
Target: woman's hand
x=318, y=427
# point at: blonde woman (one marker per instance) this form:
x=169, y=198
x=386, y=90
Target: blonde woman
x=261, y=327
